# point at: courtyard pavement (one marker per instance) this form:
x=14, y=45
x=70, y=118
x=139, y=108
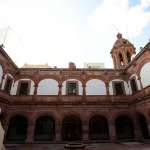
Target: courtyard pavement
x=96, y=146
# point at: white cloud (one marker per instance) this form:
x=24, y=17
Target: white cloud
x=41, y=30
x=145, y=3
x=119, y=15
x=55, y=31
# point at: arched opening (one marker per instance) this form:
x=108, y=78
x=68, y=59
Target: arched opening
x=121, y=59
x=128, y=57
x=124, y=128
x=133, y=85
x=8, y=84
x=1, y=73
x=143, y=126
x=48, y=87
x=95, y=87
x=71, y=128
x=98, y=128
x=44, y=129
x=17, y=131
x=144, y=74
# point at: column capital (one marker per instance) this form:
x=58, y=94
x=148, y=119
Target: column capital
x=60, y=85
x=83, y=84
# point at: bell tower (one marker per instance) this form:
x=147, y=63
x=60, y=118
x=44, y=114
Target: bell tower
x=122, y=52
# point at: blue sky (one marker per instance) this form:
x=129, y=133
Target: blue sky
x=60, y=31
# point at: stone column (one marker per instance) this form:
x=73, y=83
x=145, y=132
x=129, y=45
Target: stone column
x=139, y=78
x=84, y=91
x=118, y=62
x=58, y=132
x=107, y=88
x=125, y=60
x=112, y=130
x=137, y=130
x=85, y=129
x=5, y=133
x=35, y=88
x=148, y=122
x=60, y=90
x=6, y=126
x=30, y=133
x=114, y=61
x=3, y=77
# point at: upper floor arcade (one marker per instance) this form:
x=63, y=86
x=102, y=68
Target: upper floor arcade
x=74, y=82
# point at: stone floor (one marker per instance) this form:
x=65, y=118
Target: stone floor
x=96, y=146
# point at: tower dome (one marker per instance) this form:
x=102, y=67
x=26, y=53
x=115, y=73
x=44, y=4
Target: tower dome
x=122, y=52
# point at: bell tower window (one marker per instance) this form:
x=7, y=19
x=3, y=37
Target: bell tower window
x=128, y=56
x=121, y=59
x=72, y=88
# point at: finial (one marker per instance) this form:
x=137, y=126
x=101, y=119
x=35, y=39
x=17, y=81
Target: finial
x=119, y=35
x=2, y=45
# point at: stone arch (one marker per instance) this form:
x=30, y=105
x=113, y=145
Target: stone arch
x=4, y=82
x=138, y=86
x=124, y=127
x=18, y=113
x=125, y=87
x=79, y=85
x=72, y=113
x=139, y=67
x=17, y=130
x=54, y=77
x=64, y=78
x=95, y=87
x=48, y=87
x=99, y=77
x=100, y=113
x=44, y=128
x=144, y=73
x=31, y=86
x=98, y=128
x=1, y=73
x=46, y=113
x=71, y=128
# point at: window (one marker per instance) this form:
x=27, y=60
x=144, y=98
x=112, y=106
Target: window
x=72, y=88
x=121, y=59
x=133, y=85
x=8, y=84
x=128, y=56
x=118, y=88
x=23, y=88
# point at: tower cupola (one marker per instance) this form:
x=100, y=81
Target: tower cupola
x=122, y=52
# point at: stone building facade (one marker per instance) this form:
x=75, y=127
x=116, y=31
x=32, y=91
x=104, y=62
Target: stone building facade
x=55, y=105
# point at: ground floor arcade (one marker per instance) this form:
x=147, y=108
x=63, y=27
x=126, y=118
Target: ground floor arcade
x=71, y=127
